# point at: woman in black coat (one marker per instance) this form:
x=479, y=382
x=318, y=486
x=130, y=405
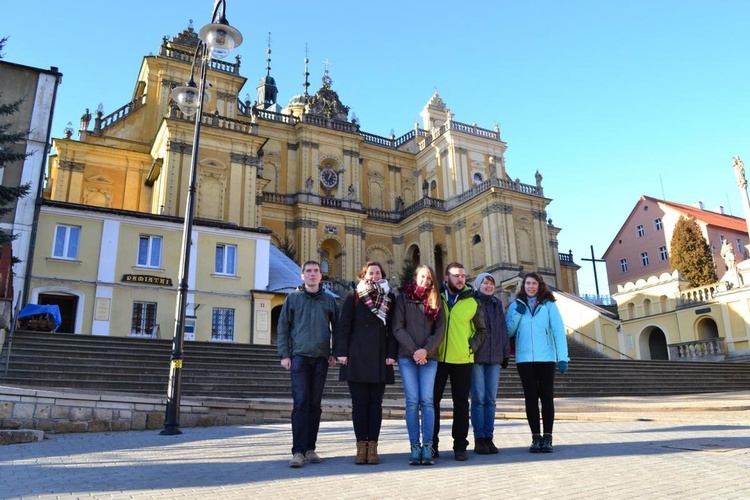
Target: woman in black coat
x=364, y=345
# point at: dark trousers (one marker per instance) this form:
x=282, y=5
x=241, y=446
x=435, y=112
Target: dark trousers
x=538, y=381
x=460, y=377
x=308, y=379
x=367, y=409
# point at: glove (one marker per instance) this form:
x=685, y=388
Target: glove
x=504, y=364
x=520, y=307
x=562, y=366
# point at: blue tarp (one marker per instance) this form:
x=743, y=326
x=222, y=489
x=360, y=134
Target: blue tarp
x=36, y=309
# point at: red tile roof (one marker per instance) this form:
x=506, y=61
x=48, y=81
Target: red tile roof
x=710, y=218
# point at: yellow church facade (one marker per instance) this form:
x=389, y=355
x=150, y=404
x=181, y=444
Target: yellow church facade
x=302, y=177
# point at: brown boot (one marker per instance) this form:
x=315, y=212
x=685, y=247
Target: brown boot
x=372, y=453
x=361, y=457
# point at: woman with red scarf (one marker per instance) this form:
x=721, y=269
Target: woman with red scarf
x=419, y=327
x=364, y=345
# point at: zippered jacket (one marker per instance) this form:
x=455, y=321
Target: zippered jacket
x=306, y=323
x=539, y=337
x=462, y=321
x=414, y=330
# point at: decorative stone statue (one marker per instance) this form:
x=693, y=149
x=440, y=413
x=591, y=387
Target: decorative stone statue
x=739, y=171
x=727, y=253
x=309, y=184
x=426, y=188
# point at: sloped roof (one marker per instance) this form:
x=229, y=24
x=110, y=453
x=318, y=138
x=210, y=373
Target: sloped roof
x=707, y=216
x=284, y=274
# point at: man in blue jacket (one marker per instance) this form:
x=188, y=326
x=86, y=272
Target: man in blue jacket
x=307, y=320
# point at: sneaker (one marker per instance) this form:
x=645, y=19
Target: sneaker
x=491, y=446
x=427, y=454
x=536, y=444
x=312, y=457
x=480, y=446
x=460, y=455
x=298, y=460
x=416, y=455
x=546, y=446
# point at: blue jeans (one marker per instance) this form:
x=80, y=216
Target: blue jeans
x=308, y=378
x=484, y=381
x=419, y=384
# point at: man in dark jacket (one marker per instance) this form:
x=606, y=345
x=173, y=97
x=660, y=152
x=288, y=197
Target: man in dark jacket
x=307, y=319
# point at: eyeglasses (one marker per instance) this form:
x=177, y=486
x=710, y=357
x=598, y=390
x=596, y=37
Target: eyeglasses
x=458, y=275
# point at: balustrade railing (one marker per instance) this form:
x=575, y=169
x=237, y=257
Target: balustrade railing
x=697, y=295
x=698, y=350
x=112, y=118
x=215, y=64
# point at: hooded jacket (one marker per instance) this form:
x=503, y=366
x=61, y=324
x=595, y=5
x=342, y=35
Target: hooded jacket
x=496, y=345
x=463, y=320
x=539, y=337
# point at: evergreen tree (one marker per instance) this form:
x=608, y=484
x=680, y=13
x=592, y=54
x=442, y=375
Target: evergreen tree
x=690, y=253
x=9, y=157
x=407, y=273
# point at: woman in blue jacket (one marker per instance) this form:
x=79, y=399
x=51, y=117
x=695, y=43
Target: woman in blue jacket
x=541, y=346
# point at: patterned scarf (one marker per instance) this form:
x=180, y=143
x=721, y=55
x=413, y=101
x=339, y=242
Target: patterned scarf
x=375, y=296
x=421, y=293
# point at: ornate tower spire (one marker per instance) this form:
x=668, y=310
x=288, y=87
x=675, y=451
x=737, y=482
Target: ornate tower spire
x=267, y=90
x=307, y=71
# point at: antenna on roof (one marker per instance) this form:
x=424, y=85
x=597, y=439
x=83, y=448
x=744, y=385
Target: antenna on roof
x=663, y=196
x=729, y=203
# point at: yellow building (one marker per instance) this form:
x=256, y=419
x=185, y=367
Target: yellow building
x=305, y=174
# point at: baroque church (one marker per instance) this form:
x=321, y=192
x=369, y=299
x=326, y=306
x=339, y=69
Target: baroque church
x=301, y=177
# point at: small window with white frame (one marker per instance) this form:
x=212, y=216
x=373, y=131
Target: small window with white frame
x=624, y=265
x=149, y=251
x=226, y=260
x=740, y=248
x=222, y=324
x=67, y=240
x=639, y=229
x=644, y=259
x=658, y=224
x=663, y=254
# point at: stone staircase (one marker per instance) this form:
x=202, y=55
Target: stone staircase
x=54, y=360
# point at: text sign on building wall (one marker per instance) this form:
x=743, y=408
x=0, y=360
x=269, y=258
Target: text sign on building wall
x=145, y=279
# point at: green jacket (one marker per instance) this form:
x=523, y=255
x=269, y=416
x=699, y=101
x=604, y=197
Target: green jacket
x=462, y=322
x=306, y=323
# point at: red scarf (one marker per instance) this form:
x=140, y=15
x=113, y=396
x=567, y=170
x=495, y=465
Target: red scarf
x=421, y=293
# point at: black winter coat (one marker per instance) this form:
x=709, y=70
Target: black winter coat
x=366, y=341
x=496, y=345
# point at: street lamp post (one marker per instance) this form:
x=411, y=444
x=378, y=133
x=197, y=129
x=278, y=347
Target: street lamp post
x=217, y=40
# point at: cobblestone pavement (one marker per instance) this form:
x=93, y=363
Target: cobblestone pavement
x=697, y=456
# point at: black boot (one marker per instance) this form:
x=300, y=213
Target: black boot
x=491, y=446
x=547, y=444
x=536, y=443
x=480, y=446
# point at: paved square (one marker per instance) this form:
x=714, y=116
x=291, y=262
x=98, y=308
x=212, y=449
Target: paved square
x=592, y=460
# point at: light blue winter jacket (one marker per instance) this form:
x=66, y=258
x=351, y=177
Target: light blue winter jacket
x=540, y=337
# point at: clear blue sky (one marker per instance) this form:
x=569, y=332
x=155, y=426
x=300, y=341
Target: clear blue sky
x=609, y=100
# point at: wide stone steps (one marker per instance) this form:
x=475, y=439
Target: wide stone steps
x=244, y=371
